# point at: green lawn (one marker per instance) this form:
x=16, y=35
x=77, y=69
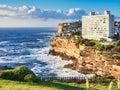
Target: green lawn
x=46, y=85
x=21, y=72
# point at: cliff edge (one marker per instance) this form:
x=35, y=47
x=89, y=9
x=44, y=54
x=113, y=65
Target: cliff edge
x=85, y=59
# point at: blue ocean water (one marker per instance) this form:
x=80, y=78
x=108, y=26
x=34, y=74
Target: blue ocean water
x=30, y=47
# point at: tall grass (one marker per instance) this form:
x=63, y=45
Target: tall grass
x=110, y=85
x=118, y=83
x=87, y=84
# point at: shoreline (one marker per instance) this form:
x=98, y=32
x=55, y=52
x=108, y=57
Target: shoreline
x=85, y=60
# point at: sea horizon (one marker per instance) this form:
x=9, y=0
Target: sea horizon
x=26, y=27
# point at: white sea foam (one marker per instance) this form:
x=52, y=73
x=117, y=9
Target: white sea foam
x=40, y=40
x=3, y=49
x=37, y=59
x=3, y=42
x=55, y=65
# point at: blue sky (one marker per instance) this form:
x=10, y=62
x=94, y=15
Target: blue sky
x=48, y=13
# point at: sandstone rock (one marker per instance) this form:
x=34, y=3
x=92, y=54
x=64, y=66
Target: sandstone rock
x=85, y=59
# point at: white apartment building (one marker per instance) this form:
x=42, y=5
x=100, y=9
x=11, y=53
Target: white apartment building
x=98, y=26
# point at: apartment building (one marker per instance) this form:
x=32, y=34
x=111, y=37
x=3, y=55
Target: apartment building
x=97, y=26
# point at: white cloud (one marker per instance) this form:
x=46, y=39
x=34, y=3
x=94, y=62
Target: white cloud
x=23, y=8
x=73, y=10
x=7, y=13
x=33, y=12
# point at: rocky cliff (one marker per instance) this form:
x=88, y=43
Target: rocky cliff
x=85, y=59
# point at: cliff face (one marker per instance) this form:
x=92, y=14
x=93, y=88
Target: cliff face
x=85, y=60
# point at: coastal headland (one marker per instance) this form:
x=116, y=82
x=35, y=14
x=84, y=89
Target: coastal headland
x=85, y=59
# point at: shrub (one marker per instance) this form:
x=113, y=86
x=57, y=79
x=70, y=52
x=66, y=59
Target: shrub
x=89, y=43
x=101, y=79
x=7, y=74
x=116, y=49
x=18, y=74
x=76, y=39
x=116, y=57
x=118, y=43
x=109, y=47
x=102, y=47
x=21, y=72
x=31, y=78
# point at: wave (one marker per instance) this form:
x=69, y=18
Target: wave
x=4, y=42
x=46, y=33
x=41, y=63
x=33, y=52
x=40, y=40
x=54, y=65
x=3, y=49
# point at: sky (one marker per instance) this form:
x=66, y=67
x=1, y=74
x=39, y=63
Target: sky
x=49, y=13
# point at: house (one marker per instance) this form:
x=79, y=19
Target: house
x=67, y=28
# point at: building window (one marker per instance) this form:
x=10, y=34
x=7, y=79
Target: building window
x=104, y=22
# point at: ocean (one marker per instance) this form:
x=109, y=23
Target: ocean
x=30, y=47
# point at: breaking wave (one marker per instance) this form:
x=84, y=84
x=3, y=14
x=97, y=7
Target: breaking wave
x=31, y=48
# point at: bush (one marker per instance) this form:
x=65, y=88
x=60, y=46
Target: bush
x=7, y=74
x=31, y=78
x=118, y=43
x=18, y=74
x=76, y=39
x=116, y=49
x=116, y=57
x=109, y=47
x=89, y=43
x=102, y=48
x=21, y=72
x=101, y=79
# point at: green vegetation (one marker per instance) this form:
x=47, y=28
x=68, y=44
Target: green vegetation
x=113, y=46
x=21, y=73
x=109, y=50
x=54, y=85
x=95, y=44
x=101, y=80
x=113, y=50
x=105, y=81
x=46, y=85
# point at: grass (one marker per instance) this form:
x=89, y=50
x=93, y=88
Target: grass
x=41, y=84
x=46, y=85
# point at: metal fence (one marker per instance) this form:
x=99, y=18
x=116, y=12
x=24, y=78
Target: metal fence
x=65, y=79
